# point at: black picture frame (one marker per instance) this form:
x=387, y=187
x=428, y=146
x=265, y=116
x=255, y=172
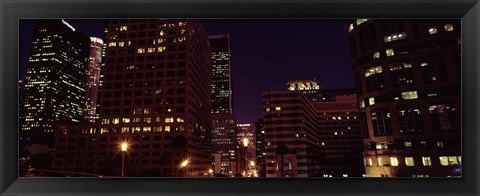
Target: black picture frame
x=12, y=10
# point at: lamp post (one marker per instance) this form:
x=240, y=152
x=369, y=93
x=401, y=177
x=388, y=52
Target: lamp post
x=245, y=145
x=184, y=164
x=124, y=147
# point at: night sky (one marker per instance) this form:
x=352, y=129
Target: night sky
x=265, y=55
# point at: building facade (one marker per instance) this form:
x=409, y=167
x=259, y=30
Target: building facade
x=341, y=147
x=407, y=73
x=291, y=134
x=224, y=143
x=155, y=96
x=55, y=81
x=93, y=79
x=260, y=147
x=222, y=94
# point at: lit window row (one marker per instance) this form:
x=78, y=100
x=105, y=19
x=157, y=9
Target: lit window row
x=373, y=70
x=410, y=161
x=394, y=37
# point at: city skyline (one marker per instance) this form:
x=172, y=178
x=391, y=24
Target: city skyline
x=165, y=98
x=272, y=49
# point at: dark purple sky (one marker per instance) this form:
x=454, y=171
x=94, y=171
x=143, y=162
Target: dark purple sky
x=265, y=54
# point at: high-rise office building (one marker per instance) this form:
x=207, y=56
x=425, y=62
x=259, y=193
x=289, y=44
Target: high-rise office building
x=156, y=96
x=340, y=143
x=224, y=143
x=222, y=99
x=260, y=147
x=317, y=131
x=93, y=79
x=224, y=133
x=407, y=74
x=291, y=134
x=55, y=81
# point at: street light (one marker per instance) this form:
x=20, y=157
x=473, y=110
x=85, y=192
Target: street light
x=123, y=147
x=185, y=164
x=245, y=142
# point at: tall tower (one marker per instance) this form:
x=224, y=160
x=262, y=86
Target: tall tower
x=55, y=80
x=93, y=79
x=222, y=99
x=407, y=74
x=224, y=130
x=156, y=96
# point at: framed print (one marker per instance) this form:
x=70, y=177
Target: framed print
x=225, y=97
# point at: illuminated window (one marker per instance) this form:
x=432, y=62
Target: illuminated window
x=141, y=50
x=373, y=71
x=167, y=128
x=161, y=49
x=389, y=52
x=443, y=161
x=125, y=120
x=147, y=129
x=150, y=50
x=157, y=129
x=116, y=121
x=394, y=37
x=123, y=28
x=105, y=121
x=432, y=30
x=125, y=129
x=267, y=109
x=426, y=161
x=361, y=20
x=393, y=161
x=448, y=27
x=452, y=160
x=136, y=120
x=162, y=33
x=376, y=55
x=409, y=161
x=147, y=120
x=278, y=108
x=459, y=160
x=121, y=44
x=179, y=119
x=350, y=27
x=146, y=111
x=371, y=101
x=369, y=162
x=169, y=120
x=409, y=95
x=407, y=144
x=380, y=161
x=362, y=104
x=112, y=44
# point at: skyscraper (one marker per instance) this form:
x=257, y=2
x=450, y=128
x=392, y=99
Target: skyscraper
x=291, y=134
x=93, y=79
x=260, y=147
x=224, y=141
x=155, y=96
x=340, y=149
x=55, y=81
x=407, y=74
x=222, y=99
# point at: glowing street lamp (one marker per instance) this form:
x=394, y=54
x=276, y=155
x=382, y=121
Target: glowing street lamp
x=245, y=142
x=185, y=164
x=252, y=163
x=123, y=147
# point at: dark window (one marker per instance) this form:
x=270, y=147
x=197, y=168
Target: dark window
x=401, y=73
x=367, y=37
x=381, y=122
x=410, y=119
x=443, y=117
x=433, y=69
